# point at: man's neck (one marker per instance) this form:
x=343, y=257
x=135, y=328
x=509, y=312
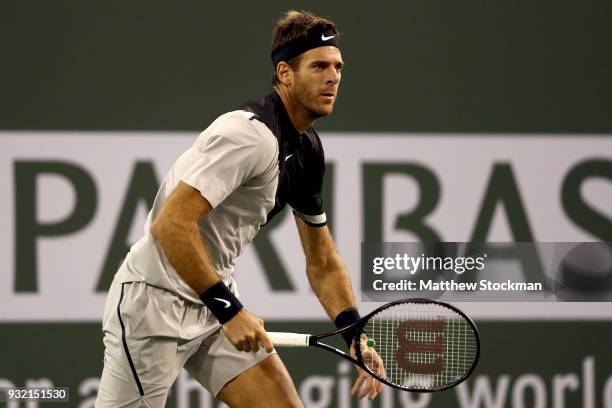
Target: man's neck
x=300, y=119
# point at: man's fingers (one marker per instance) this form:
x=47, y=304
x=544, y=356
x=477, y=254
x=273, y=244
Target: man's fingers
x=383, y=372
x=365, y=390
x=380, y=369
x=373, y=388
x=255, y=344
x=367, y=385
x=266, y=342
x=245, y=331
x=358, y=382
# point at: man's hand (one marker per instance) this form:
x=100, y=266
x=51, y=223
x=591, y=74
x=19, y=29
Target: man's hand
x=365, y=383
x=246, y=331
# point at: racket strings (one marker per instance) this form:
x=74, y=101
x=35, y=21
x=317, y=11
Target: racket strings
x=422, y=345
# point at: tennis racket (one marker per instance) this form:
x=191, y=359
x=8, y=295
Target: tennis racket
x=424, y=345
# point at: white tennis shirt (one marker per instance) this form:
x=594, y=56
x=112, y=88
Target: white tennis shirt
x=234, y=165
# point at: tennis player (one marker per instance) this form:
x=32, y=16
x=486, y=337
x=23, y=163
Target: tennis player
x=173, y=303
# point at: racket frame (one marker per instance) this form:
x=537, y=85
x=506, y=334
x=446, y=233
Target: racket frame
x=358, y=326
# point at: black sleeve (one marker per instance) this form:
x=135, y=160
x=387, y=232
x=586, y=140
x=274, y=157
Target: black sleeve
x=307, y=200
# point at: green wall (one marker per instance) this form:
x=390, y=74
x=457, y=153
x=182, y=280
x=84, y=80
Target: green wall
x=512, y=370
x=423, y=65
x=420, y=66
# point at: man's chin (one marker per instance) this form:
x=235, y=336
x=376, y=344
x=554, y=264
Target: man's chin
x=323, y=111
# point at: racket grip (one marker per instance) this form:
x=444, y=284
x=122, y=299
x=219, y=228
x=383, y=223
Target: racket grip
x=282, y=339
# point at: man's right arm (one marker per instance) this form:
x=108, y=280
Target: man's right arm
x=176, y=229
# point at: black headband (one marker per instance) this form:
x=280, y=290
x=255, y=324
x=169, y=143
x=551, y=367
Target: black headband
x=318, y=36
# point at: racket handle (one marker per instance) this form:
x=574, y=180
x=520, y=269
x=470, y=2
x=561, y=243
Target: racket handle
x=281, y=339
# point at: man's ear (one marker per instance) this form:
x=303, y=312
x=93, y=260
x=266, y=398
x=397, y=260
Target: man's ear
x=284, y=73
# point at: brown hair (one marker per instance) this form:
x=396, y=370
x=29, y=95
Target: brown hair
x=295, y=24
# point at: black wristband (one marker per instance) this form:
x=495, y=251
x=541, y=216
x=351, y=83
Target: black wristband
x=221, y=302
x=346, y=318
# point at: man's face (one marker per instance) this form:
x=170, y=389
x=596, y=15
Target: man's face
x=315, y=83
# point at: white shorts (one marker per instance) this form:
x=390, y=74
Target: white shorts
x=149, y=334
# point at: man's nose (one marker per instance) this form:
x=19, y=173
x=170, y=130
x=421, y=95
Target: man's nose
x=333, y=75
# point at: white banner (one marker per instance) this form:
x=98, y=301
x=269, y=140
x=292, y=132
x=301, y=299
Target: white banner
x=544, y=169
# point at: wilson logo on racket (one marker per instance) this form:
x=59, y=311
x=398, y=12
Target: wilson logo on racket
x=413, y=339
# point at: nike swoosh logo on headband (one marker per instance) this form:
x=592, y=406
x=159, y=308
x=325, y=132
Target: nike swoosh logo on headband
x=324, y=38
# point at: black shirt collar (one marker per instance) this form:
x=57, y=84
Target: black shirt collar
x=272, y=112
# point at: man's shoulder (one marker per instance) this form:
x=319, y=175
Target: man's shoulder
x=266, y=111
x=239, y=120
x=238, y=128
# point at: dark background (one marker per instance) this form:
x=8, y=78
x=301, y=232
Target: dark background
x=422, y=65
x=519, y=67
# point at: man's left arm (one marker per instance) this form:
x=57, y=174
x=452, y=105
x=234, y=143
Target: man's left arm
x=331, y=283
x=326, y=272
